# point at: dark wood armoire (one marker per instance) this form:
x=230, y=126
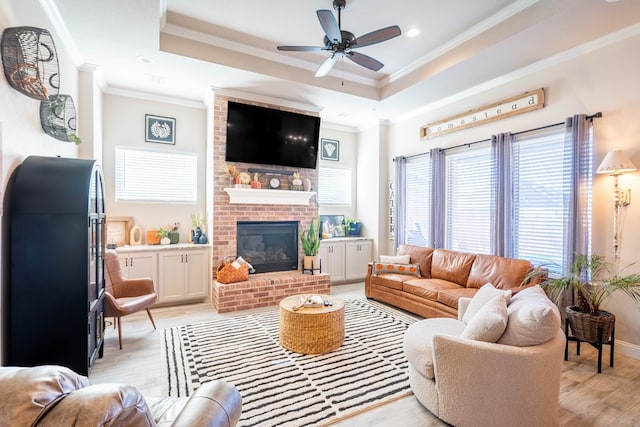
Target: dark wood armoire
x=55, y=234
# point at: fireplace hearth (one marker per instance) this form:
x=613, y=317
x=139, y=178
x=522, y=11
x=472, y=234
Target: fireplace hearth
x=268, y=245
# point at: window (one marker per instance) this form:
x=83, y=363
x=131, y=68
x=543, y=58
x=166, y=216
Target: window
x=469, y=199
x=156, y=176
x=542, y=181
x=334, y=186
x=418, y=200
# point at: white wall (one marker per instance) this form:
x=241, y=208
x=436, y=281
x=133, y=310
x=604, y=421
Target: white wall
x=20, y=132
x=124, y=125
x=347, y=159
x=604, y=79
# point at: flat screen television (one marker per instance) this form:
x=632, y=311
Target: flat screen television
x=267, y=136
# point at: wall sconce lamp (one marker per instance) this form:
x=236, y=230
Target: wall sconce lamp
x=615, y=163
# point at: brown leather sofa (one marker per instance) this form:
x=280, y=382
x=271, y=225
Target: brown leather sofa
x=52, y=395
x=445, y=276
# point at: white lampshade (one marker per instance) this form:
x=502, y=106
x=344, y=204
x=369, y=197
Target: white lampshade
x=615, y=163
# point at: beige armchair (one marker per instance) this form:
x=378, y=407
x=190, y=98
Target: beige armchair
x=475, y=383
x=125, y=296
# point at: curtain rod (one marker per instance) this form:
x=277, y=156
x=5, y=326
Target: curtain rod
x=469, y=144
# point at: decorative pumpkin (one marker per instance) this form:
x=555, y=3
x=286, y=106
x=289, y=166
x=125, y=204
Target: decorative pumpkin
x=255, y=183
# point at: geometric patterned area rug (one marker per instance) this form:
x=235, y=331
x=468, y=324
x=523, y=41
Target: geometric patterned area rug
x=283, y=388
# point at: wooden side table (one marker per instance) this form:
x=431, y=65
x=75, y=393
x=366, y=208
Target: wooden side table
x=598, y=344
x=311, y=330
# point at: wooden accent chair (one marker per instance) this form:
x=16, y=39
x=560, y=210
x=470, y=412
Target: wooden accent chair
x=125, y=296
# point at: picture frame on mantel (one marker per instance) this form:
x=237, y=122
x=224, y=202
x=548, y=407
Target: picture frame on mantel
x=330, y=149
x=161, y=130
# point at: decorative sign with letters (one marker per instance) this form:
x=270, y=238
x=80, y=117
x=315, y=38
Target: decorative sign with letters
x=528, y=101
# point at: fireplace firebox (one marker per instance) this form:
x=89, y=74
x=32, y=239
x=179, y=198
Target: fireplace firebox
x=268, y=245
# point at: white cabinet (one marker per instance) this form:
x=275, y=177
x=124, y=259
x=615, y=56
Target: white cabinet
x=135, y=265
x=180, y=272
x=358, y=256
x=183, y=275
x=345, y=259
x=332, y=256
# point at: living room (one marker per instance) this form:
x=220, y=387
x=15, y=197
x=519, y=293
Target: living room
x=589, y=76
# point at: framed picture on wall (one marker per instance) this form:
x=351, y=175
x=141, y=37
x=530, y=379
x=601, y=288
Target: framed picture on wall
x=161, y=130
x=330, y=149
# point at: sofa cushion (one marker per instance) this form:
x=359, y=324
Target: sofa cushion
x=451, y=266
x=533, y=319
x=489, y=323
x=420, y=255
x=483, y=296
x=450, y=297
x=397, y=259
x=427, y=288
x=385, y=267
x=504, y=273
x=28, y=393
x=418, y=341
x=390, y=280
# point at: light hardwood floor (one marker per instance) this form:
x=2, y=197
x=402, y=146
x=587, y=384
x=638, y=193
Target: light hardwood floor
x=586, y=397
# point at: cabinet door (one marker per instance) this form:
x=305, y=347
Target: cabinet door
x=358, y=255
x=197, y=274
x=332, y=254
x=172, y=276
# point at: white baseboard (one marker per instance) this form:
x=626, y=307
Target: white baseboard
x=627, y=349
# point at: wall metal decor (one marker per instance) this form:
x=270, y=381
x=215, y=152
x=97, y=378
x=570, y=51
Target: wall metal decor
x=58, y=118
x=30, y=61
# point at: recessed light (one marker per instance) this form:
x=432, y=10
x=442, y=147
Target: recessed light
x=144, y=59
x=413, y=32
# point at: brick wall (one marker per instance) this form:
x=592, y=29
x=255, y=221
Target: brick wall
x=225, y=215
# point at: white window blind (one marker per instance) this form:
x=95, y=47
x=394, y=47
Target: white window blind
x=470, y=193
x=541, y=185
x=418, y=200
x=146, y=175
x=334, y=186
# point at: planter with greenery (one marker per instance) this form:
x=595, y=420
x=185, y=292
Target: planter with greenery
x=593, y=279
x=310, y=245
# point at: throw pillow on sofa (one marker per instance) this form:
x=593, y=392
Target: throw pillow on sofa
x=489, y=323
x=533, y=319
x=381, y=267
x=396, y=259
x=485, y=294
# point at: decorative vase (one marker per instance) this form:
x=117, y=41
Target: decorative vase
x=153, y=236
x=174, y=237
x=165, y=241
x=306, y=184
x=195, y=235
x=355, y=228
x=203, y=239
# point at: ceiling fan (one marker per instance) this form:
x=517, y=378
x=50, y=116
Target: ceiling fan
x=341, y=43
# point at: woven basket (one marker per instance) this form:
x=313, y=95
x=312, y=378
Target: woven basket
x=584, y=326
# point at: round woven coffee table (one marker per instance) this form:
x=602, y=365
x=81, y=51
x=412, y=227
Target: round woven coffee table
x=311, y=330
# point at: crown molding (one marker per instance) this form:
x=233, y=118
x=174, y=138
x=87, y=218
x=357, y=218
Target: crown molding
x=231, y=93
x=129, y=93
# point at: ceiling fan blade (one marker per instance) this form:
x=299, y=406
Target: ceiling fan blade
x=329, y=25
x=365, y=61
x=301, y=48
x=377, y=36
x=326, y=66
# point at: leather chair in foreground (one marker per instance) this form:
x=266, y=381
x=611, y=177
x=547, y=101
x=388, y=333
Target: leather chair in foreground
x=53, y=396
x=125, y=296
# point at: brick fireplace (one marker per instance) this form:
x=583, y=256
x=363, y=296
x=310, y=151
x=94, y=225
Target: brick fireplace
x=226, y=214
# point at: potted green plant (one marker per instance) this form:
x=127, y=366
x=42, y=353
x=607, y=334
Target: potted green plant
x=591, y=278
x=310, y=245
x=353, y=227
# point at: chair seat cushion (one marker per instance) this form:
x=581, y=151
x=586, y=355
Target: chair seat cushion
x=132, y=304
x=418, y=341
